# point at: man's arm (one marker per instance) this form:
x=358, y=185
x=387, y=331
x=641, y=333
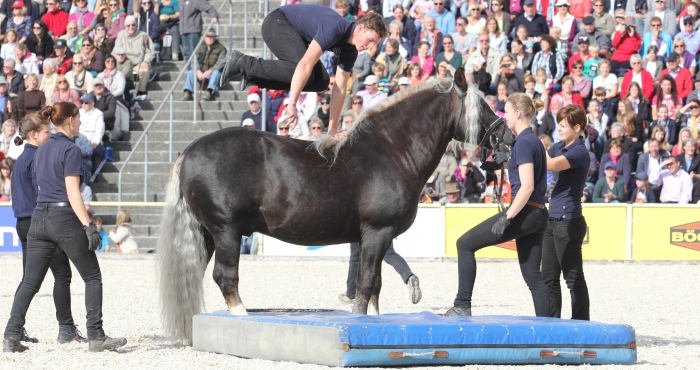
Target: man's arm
x=686, y=189
x=301, y=76
x=340, y=89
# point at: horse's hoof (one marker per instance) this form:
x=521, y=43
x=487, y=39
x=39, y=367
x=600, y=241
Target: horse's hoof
x=238, y=310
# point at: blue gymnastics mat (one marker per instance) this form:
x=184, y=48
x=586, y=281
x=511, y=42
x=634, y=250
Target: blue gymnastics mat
x=339, y=338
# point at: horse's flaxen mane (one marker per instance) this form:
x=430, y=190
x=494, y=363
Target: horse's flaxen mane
x=470, y=116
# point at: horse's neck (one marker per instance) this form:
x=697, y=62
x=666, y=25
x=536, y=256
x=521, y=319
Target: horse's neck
x=417, y=129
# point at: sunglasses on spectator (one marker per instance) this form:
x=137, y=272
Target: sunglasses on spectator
x=80, y=1
x=111, y=5
x=678, y=46
x=77, y=63
x=62, y=82
x=687, y=23
x=577, y=68
x=86, y=45
x=619, y=17
x=356, y=102
x=447, y=43
x=325, y=103
x=316, y=128
x=474, y=10
x=284, y=128
x=694, y=107
x=36, y=27
x=436, y=4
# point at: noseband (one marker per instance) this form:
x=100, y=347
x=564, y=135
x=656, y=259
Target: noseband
x=491, y=133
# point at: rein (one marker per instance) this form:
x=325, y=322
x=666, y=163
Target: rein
x=495, y=140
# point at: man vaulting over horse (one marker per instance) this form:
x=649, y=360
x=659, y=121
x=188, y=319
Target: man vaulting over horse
x=298, y=35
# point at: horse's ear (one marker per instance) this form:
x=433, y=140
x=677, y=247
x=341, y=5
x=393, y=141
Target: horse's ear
x=460, y=80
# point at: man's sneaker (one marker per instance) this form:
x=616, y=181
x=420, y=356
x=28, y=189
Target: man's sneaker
x=13, y=345
x=244, y=84
x=67, y=336
x=141, y=97
x=175, y=57
x=206, y=95
x=106, y=344
x=232, y=67
x=345, y=300
x=186, y=96
x=459, y=311
x=26, y=338
x=414, y=289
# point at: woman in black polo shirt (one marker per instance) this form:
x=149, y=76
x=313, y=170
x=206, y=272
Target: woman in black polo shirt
x=35, y=130
x=60, y=224
x=526, y=218
x=561, y=251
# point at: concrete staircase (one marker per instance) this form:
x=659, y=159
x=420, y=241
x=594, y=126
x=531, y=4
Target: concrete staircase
x=224, y=111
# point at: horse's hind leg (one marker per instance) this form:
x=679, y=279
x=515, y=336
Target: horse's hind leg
x=374, y=245
x=228, y=254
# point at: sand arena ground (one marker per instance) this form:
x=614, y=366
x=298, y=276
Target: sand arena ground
x=660, y=299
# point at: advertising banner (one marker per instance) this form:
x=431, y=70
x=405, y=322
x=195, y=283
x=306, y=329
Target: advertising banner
x=605, y=239
x=666, y=233
x=9, y=241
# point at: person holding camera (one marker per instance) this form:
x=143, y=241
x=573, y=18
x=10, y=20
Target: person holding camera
x=60, y=224
x=626, y=42
x=510, y=74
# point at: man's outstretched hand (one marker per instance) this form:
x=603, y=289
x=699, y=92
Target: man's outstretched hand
x=291, y=120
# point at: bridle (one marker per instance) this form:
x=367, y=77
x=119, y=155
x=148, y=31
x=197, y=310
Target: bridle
x=495, y=139
x=491, y=133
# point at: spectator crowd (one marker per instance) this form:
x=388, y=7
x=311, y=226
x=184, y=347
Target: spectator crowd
x=632, y=65
x=97, y=54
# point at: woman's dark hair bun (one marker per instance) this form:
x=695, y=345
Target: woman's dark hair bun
x=46, y=112
x=18, y=140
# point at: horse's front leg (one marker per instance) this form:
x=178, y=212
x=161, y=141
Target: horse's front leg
x=375, y=243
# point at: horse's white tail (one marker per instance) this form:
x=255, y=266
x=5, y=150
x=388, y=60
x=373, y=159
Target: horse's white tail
x=182, y=259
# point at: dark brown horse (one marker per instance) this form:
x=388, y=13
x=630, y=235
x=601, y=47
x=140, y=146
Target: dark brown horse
x=364, y=188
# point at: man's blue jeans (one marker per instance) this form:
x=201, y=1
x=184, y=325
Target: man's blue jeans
x=189, y=42
x=211, y=85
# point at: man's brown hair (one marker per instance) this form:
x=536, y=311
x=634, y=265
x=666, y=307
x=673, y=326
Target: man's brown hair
x=374, y=22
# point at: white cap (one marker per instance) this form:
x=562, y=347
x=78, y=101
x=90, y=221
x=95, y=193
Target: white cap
x=404, y=81
x=562, y=2
x=248, y=122
x=253, y=97
x=371, y=80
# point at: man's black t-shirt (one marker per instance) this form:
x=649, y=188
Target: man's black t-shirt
x=326, y=27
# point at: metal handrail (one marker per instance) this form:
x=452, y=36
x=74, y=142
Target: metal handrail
x=169, y=96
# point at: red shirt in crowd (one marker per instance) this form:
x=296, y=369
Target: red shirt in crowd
x=56, y=22
x=684, y=82
x=625, y=45
x=575, y=57
x=647, y=84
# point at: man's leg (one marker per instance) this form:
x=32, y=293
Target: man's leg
x=143, y=73
x=409, y=278
x=289, y=47
x=189, y=82
x=213, y=82
x=97, y=155
x=352, y=270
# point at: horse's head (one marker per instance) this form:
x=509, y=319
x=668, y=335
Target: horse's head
x=478, y=123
